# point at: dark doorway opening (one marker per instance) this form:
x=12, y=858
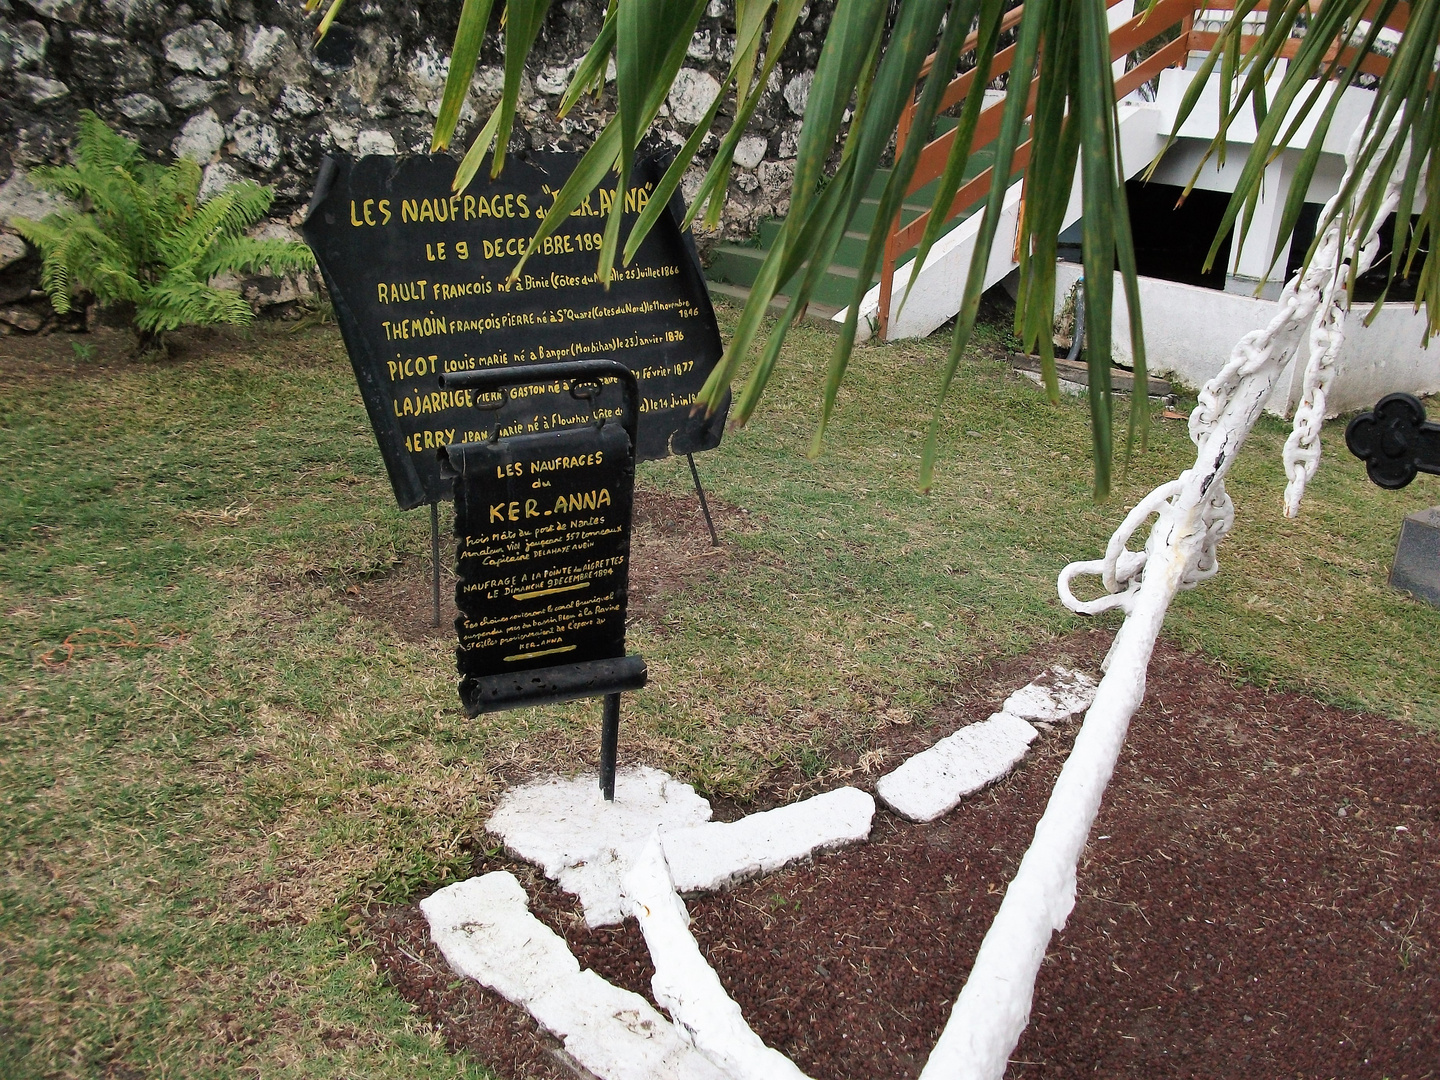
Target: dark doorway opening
x=1369, y=286
x=1171, y=241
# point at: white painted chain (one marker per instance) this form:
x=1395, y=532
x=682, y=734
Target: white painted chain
x=1121, y=568
x=1327, y=332
x=1317, y=297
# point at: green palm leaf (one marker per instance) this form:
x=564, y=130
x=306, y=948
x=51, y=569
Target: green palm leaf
x=1341, y=40
x=468, y=38
x=1059, y=84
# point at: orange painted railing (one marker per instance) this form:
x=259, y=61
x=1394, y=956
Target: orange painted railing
x=1164, y=17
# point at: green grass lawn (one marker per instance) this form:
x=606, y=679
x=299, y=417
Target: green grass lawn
x=192, y=806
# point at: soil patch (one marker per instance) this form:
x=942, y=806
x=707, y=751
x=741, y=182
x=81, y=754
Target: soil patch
x=1259, y=898
x=670, y=554
x=404, y=598
x=108, y=350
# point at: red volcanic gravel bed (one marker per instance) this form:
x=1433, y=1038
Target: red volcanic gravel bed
x=1260, y=898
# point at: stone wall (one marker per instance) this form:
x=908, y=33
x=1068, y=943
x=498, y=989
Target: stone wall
x=238, y=86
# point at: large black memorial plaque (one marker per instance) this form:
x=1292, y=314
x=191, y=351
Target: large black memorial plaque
x=418, y=277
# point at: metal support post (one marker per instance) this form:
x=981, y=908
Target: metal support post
x=609, y=739
x=704, y=506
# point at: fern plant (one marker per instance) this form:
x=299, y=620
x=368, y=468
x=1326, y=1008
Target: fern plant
x=142, y=237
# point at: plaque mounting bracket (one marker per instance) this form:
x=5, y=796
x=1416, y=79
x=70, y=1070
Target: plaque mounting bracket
x=576, y=372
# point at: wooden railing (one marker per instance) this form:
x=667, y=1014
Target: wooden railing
x=1201, y=41
x=1165, y=17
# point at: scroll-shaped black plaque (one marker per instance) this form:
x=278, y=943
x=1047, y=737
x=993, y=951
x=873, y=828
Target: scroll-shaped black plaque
x=418, y=276
x=1394, y=441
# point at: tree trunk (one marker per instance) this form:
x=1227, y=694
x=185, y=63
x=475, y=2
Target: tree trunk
x=150, y=344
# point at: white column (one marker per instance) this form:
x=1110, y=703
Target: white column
x=1250, y=262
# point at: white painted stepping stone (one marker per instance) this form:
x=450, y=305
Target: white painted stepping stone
x=685, y=984
x=707, y=857
x=486, y=932
x=1067, y=693
x=933, y=781
x=585, y=844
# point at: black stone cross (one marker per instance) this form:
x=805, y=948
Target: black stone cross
x=1394, y=441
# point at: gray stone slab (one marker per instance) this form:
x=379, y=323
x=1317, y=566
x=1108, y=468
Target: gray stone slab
x=1417, y=556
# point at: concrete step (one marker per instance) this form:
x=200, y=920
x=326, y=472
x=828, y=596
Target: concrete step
x=817, y=313
x=859, y=226
x=848, y=253
x=866, y=211
x=735, y=264
x=734, y=267
x=941, y=283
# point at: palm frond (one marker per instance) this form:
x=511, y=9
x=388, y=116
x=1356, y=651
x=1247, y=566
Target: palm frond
x=957, y=19
x=1060, y=84
x=468, y=37
x=845, y=64
x=328, y=19
x=1343, y=41
x=717, y=177
x=589, y=75
x=751, y=23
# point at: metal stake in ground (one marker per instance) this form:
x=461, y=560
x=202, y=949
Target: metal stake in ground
x=609, y=745
x=704, y=506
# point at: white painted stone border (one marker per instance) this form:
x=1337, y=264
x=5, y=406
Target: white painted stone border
x=586, y=845
x=486, y=931
x=933, y=782
x=1064, y=695
x=705, y=858
x=685, y=984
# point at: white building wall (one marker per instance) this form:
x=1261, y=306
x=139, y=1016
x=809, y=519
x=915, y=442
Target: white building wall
x=1190, y=331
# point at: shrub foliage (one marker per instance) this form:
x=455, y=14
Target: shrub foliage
x=142, y=236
